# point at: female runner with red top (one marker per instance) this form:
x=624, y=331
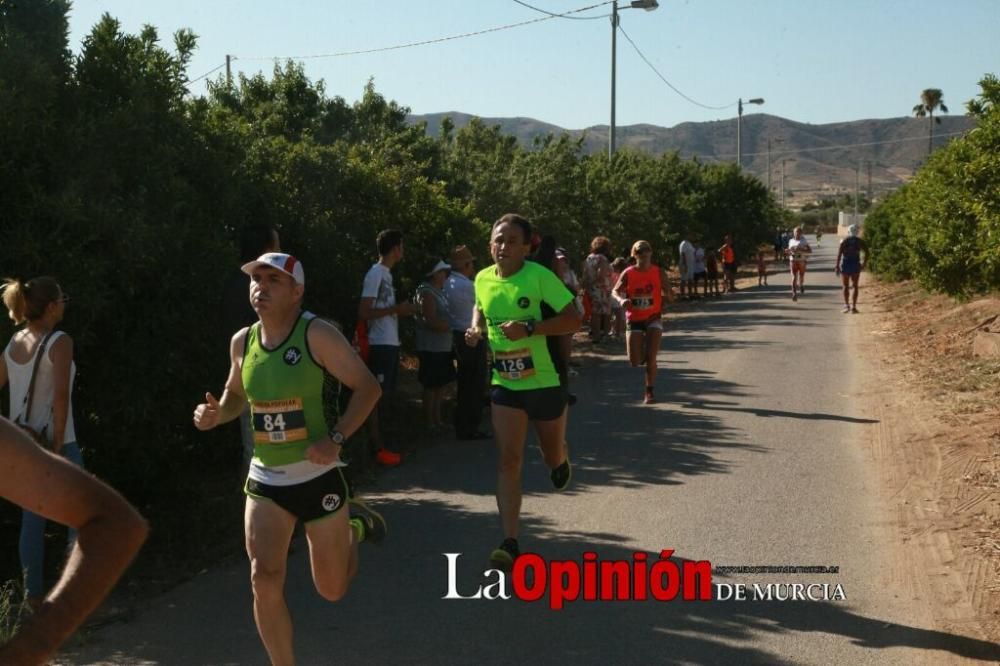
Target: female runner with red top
x=640, y=290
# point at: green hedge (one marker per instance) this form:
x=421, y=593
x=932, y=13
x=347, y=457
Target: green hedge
x=943, y=228
x=133, y=193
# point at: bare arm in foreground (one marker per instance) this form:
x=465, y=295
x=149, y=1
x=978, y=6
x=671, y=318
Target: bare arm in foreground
x=110, y=534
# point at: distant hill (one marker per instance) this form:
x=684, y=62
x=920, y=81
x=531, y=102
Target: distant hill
x=809, y=174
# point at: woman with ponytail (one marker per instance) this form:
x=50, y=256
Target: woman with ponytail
x=39, y=358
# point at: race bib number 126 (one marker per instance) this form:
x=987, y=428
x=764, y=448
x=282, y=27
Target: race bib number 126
x=514, y=365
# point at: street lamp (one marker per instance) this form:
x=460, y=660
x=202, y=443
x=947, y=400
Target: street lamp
x=648, y=5
x=739, y=127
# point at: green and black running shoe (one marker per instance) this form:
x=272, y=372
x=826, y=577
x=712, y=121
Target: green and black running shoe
x=503, y=557
x=561, y=475
x=373, y=525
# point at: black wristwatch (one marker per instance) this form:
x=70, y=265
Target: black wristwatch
x=337, y=437
x=529, y=327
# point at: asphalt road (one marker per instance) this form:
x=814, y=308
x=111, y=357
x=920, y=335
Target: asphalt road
x=755, y=455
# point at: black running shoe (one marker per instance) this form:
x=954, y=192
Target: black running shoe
x=373, y=525
x=561, y=475
x=503, y=557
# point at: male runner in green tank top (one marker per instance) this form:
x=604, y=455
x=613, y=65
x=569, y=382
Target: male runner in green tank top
x=278, y=367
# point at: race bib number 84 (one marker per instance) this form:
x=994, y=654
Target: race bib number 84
x=279, y=421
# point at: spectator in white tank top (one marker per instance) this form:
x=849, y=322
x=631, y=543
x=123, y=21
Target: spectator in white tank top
x=39, y=304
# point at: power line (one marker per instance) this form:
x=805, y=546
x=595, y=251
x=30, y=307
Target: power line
x=663, y=78
x=834, y=147
x=427, y=41
x=882, y=187
x=554, y=15
x=207, y=73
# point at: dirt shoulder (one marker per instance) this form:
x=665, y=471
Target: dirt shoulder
x=936, y=447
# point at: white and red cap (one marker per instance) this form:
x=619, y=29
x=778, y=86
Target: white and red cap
x=285, y=263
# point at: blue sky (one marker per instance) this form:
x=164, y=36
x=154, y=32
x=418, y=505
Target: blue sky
x=811, y=60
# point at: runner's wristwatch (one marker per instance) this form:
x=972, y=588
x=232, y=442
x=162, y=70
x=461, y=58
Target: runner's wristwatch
x=529, y=327
x=337, y=437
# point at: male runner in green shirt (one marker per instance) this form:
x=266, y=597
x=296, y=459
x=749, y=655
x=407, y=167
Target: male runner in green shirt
x=278, y=367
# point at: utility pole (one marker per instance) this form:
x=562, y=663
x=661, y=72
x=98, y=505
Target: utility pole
x=648, y=5
x=857, y=190
x=869, y=182
x=782, y=184
x=614, y=43
x=739, y=132
x=229, y=72
x=769, y=167
x=739, y=127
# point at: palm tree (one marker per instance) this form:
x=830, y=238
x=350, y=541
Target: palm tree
x=930, y=100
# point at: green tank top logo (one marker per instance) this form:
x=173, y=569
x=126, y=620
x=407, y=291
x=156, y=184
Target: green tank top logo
x=292, y=356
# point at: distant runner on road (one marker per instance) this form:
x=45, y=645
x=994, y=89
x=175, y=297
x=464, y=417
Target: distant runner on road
x=798, y=252
x=640, y=290
x=850, y=264
x=525, y=384
x=278, y=365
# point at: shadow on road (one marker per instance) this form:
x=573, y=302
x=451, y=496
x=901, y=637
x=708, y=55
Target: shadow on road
x=622, y=632
x=811, y=416
x=395, y=612
x=614, y=441
x=441, y=502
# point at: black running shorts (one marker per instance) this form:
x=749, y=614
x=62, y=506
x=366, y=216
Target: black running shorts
x=546, y=404
x=312, y=500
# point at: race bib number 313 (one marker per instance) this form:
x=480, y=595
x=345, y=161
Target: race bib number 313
x=279, y=421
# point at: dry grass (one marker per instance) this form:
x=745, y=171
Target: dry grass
x=12, y=609
x=926, y=342
x=934, y=335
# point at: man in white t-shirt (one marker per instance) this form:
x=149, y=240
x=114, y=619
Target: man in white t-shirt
x=379, y=309
x=797, y=252
x=700, y=272
x=686, y=266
